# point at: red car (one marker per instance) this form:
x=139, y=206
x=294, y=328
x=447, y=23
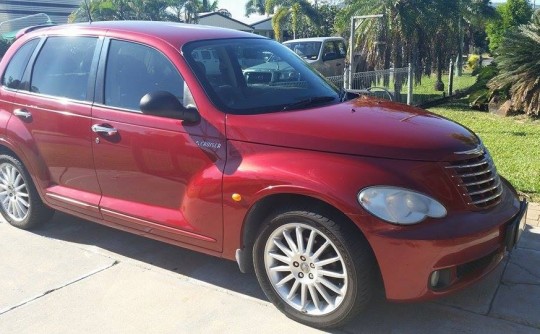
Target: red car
x=122, y=123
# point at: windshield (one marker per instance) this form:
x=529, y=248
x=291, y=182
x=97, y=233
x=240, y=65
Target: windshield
x=307, y=50
x=250, y=76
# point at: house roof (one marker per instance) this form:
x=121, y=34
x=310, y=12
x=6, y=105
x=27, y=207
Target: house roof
x=210, y=14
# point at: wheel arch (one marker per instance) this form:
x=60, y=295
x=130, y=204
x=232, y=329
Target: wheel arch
x=269, y=204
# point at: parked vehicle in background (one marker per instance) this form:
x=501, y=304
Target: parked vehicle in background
x=325, y=54
x=176, y=132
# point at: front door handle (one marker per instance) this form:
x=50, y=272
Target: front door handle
x=23, y=113
x=104, y=130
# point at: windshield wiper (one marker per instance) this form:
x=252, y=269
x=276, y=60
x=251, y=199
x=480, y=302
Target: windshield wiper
x=346, y=95
x=309, y=102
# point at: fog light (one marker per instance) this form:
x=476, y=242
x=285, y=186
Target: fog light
x=434, y=280
x=441, y=279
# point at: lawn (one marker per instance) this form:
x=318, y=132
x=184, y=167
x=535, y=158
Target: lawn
x=426, y=90
x=514, y=143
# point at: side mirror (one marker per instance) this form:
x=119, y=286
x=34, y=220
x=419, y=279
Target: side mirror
x=165, y=104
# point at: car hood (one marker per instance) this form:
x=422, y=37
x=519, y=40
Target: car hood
x=365, y=126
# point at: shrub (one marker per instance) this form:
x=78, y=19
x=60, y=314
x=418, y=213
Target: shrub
x=480, y=94
x=473, y=63
x=519, y=68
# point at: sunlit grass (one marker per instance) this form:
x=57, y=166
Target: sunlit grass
x=514, y=143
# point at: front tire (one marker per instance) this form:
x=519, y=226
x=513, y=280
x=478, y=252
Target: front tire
x=314, y=270
x=20, y=203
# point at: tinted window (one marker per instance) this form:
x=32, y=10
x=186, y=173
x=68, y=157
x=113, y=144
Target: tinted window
x=257, y=75
x=205, y=54
x=342, y=49
x=15, y=69
x=134, y=70
x=63, y=66
x=329, y=48
x=307, y=50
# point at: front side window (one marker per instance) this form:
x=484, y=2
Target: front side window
x=62, y=67
x=13, y=75
x=342, y=49
x=134, y=70
x=253, y=76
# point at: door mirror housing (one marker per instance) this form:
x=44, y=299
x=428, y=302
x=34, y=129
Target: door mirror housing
x=165, y=104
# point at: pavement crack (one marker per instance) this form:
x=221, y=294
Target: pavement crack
x=498, y=286
x=78, y=279
x=527, y=270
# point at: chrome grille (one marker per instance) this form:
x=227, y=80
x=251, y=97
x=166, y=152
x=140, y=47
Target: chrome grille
x=478, y=182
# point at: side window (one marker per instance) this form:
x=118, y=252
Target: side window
x=329, y=50
x=341, y=49
x=205, y=55
x=134, y=70
x=13, y=75
x=62, y=67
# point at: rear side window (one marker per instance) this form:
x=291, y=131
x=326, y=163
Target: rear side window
x=62, y=67
x=13, y=75
x=134, y=70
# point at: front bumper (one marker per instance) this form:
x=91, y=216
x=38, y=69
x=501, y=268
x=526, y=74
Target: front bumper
x=464, y=247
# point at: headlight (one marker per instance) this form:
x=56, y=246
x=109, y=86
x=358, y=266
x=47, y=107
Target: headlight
x=398, y=205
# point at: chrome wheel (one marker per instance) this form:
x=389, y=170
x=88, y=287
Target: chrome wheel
x=306, y=269
x=13, y=192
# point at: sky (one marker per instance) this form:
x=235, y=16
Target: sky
x=237, y=9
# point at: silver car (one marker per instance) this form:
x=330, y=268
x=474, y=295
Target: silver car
x=325, y=54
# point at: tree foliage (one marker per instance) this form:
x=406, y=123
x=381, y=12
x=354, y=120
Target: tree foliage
x=152, y=10
x=425, y=33
x=519, y=68
x=509, y=16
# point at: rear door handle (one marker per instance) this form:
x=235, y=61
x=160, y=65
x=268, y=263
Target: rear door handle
x=104, y=130
x=23, y=113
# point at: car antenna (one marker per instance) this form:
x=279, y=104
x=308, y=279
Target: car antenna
x=88, y=11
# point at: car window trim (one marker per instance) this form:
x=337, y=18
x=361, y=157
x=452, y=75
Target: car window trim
x=28, y=64
x=27, y=76
x=99, y=94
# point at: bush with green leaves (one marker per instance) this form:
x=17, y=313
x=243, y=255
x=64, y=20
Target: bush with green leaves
x=480, y=94
x=473, y=63
x=519, y=67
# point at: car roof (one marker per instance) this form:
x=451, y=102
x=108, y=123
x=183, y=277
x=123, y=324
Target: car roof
x=172, y=32
x=315, y=39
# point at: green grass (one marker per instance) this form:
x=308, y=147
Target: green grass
x=426, y=90
x=514, y=143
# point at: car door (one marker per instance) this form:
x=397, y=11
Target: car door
x=158, y=175
x=51, y=123
x=329, y=59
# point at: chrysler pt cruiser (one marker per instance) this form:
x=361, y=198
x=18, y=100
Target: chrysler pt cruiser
x=321, y=194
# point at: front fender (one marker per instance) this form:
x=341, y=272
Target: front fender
x=255, y=171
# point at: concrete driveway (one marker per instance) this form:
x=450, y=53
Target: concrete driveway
x=73, y=276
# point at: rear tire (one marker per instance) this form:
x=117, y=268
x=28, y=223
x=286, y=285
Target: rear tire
x=314, y=270
x=20, y=203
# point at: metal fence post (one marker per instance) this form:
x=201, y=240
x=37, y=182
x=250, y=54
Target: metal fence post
x=410, y=85
x=451, y=78
x=346, y=77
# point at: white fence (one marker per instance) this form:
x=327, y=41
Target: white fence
x=394, y=84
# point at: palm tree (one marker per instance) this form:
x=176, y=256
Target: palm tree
x=101, y=10
x=519, y=68
x=294, y=12
x=424, y=33
x=208, y=6
x=255, y=6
